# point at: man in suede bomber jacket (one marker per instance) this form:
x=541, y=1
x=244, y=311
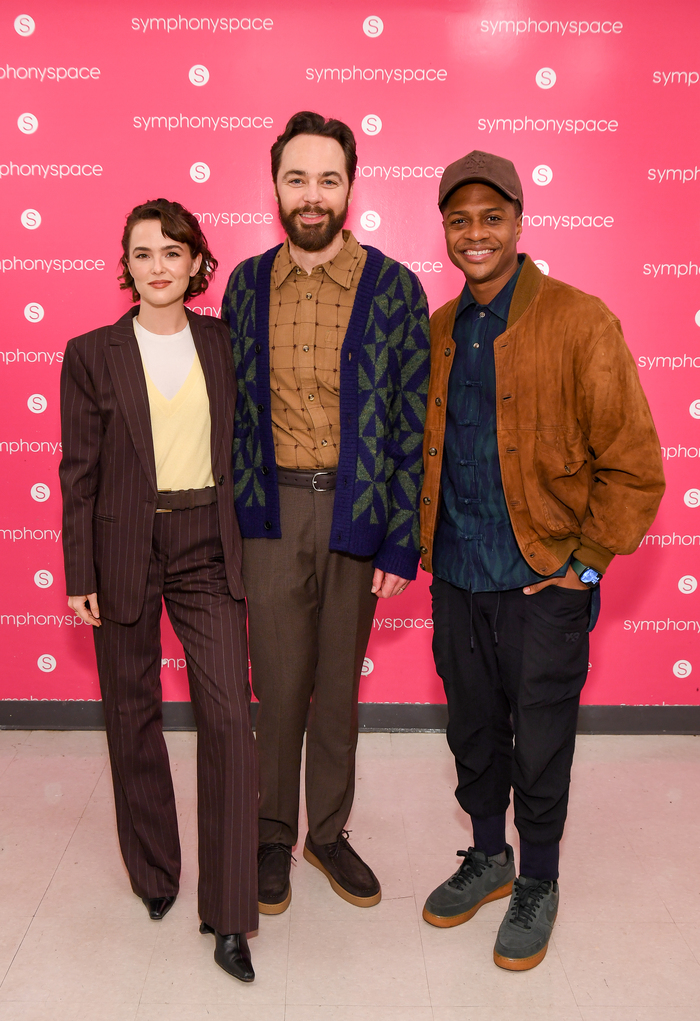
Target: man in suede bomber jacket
x=541, y=463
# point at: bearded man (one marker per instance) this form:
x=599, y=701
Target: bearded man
x=331, y=347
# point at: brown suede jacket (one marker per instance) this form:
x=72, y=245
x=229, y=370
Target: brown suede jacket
x=580, y=459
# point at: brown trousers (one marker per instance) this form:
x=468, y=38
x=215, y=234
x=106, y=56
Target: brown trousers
x=309, y=620
x=187, y=569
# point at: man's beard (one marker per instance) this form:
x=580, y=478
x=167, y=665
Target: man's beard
x=312, y=237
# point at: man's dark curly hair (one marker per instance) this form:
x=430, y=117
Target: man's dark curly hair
x=308, y=123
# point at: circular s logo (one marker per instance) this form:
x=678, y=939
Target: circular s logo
x=692, y=498
x=546, y=77
x=542, y=266
x=694, y=409
x=37, y=403
x=34, y=312
x=27, y=123
x=371, y=124
x=199, y=172
x=40, y=492
x=199, y=74
x=46, y=663
x=24, y=24
x=367, y=667
x=682, y=668
x=542, y=174
x=31, y=219
x=43, y=579
x=687, y=584
x=370, y=220
x=373, y=26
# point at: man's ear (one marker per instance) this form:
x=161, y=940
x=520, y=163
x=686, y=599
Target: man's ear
x=352, y=188
x=518, y=227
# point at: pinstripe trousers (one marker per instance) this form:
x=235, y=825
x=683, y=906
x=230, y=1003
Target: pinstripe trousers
x=186, y=570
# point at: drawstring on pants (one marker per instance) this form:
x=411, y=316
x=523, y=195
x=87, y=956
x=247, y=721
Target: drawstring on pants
x=471, y=619
x=495, y=620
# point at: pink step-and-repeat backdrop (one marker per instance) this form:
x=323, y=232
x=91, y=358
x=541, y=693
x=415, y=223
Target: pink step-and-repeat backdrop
x=104, y=105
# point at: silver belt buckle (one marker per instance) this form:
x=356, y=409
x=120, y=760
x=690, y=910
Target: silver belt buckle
x=313, y=482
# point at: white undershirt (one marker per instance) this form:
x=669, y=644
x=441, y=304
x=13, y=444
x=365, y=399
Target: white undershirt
x=168, y=359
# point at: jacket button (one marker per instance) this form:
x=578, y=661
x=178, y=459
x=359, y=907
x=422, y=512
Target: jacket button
x=448, y=352
x=261, y=408
x=432, y=451
x=221, y=480
x=426, y=499
x=265, y=470
x=438, y=401
x=258, y=349
x=268, y=526
x=424, y=549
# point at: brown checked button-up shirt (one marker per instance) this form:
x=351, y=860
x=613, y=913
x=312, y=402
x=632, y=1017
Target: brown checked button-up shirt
x=309, y=314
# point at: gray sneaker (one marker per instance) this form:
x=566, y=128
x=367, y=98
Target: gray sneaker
x=478, y=880
x=524, y=933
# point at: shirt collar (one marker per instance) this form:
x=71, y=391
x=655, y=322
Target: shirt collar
x=500, y=305
x=340, y=269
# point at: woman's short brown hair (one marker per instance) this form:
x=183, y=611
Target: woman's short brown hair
x=178, y=224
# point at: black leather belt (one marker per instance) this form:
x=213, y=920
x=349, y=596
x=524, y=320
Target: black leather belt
x=320, y=481
x=184, y=499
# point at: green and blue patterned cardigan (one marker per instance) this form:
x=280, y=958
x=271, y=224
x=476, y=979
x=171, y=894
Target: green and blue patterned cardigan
x=385, y=360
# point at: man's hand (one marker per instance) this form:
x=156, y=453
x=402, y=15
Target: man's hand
x=386, y=585
x=570, y=580
x=86, y=607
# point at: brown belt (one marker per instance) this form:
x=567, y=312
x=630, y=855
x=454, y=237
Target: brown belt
x=184, y=499
x=320, y=481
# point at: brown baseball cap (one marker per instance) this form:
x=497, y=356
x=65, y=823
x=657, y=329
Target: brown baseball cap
x=485, y=167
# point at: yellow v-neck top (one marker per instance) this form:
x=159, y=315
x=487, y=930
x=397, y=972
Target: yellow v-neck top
x=181, y=430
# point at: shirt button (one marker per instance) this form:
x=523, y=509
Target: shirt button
x=311, y=397
x=481, y=315
x=432, y=451
x=221, y=480
x=309, y=294
x=476, y=343
x=438, y=401
x=297, y=271
x=448, y=352
x=305, y=347
x=324, y=443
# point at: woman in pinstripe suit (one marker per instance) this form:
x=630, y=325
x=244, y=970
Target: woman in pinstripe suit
x=147, y=422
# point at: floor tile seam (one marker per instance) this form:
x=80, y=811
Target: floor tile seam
x=48, y=883
x=694, y=953
x=52, y=877
x=566, y=976
x=419, y=920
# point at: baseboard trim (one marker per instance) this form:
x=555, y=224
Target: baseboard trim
x=376, y=717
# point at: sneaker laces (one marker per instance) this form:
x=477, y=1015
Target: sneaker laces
x=471, y=868
x=266, y=849
x=526, y=901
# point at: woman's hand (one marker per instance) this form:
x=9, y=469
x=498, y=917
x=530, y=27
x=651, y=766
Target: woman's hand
x=86, y=607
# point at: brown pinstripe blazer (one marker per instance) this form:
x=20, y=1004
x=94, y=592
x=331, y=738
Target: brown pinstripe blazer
x=108, y=471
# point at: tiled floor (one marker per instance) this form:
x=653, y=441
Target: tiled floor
x=76, y=945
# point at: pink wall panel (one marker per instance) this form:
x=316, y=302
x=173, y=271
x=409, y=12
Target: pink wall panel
x=603, y=95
